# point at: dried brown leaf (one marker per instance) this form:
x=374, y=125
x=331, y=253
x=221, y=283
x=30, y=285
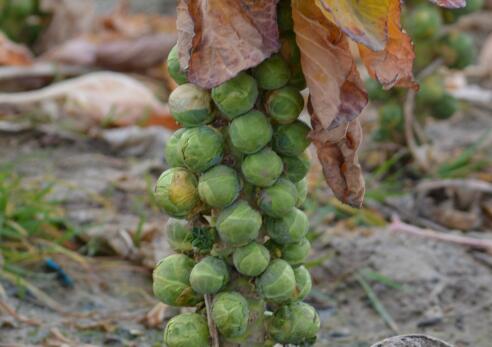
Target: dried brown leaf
x=224, y=37
x=12, y=53
x=337, y=93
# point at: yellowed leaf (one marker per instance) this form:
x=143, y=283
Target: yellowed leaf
x=392, y=66
x=363, y=21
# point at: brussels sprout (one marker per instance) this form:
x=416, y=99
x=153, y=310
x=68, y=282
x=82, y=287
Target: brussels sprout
x=277, y=284
x=375, y=91
x=289, y=50
x=445, y=107
x=391, y=120
x=272, y=73
x=291, y=139
x=425, y=52
x=190, y=105
x=284, y=16
x=230, y=313
x=279, y=199
x=297, y=79
x=236, y=96
x=424, y=22
x=171, y=281
x=209, y=276
x=284, y=105
x=187, y=330
x=238, y=224
x=179, y=235
x=431, y=90
x=290, y=228
x=296, y=168
x=250, y=132
x=303, y=283
x=457, y=50
x=263, y=168
x=173, y=67
x=295, y=323
x=296, y=253
x=302, y=192
x=201, y=148
x=171, y=151
x=176, y=192
x=219, y=186
x=252, y=259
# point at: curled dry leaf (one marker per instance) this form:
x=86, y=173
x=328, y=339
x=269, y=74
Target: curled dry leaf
x=449, y=3
x=392, y=66
x=363, y=21
x=337, y=97
x=12, y=53
x=98, y=98
x=219, y=38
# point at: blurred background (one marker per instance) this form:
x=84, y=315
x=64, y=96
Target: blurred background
x=83, y=124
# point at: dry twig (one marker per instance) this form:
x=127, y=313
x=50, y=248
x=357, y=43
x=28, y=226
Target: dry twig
x=211, y=325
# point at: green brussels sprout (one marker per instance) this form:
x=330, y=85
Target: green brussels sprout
x=302, y=192
x=291, y=139
x=296, y=253
x=457, y=50
x=238, y=224
x=209, y=276
x=289, y=50
x=272, y=73
x=277, y=284
x=250, y=132
x=296, y=168
x=176, y=192
x=431, y=90
x=425, y=22
x=230, y=313
x=303, y=282
x=425, y=52
x=284, y=105
x=279, y=199
x=219, y=186
x=171, y=281
x=445, y=107
x=187, y=330
x=171, y=151
x=236, y=96
x=295, y=323
x=297, y=79
x=201, y=148
x=190, y=105
x=173, y=67
x=291, y=228
x=179, y=235
x=284, y=16
x=375, y=91
x=391, y=118
x=252, y=259
x=263, y=168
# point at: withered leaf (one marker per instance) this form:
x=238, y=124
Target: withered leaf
x=394, y=65
x=450, y=3
x=337, y=93
x=337, y=97
x=224, y=37
x=13, y=53
x=363, y=21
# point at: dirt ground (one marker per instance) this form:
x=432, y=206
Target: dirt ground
x=439, y=289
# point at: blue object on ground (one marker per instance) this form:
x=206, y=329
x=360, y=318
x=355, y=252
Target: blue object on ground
x=61, y=275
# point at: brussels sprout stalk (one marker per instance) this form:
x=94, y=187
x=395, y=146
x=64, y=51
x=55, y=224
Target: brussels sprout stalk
x=234, y=187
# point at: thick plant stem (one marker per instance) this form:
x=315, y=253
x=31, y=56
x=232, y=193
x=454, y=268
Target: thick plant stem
x=211, y=325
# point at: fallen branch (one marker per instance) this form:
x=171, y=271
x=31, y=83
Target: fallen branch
x=41, y=70
x=398, y=225
x=211, y=325
x=471, y=184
